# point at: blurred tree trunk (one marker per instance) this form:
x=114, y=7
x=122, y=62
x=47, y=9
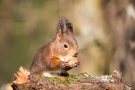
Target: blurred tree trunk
x=119, y=17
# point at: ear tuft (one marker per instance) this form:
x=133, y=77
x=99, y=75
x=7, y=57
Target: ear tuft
x=60, y=25
x=60, y=28
x=64, y=25
x=68, y=25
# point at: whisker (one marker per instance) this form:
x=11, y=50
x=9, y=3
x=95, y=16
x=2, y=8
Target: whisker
x=82, y=51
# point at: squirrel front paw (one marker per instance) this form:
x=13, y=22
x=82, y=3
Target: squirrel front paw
x=70, y=62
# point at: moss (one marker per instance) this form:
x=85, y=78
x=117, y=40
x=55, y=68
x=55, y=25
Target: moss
x=75, y=77
x=70, y=79
x=55, y=78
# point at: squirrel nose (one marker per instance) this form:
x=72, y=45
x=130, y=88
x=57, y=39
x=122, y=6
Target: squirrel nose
x=75, y=55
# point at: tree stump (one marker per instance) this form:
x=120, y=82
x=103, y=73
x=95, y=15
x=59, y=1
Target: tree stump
x=23, y=80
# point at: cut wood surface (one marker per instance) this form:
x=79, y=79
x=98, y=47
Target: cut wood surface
x=23, y=80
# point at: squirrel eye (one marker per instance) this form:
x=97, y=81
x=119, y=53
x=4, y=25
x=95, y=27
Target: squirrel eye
x=65, y=46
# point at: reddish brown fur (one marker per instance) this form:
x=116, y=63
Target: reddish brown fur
x=47, y=59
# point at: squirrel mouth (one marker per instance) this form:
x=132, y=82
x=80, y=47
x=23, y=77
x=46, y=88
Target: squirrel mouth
x=75, y=55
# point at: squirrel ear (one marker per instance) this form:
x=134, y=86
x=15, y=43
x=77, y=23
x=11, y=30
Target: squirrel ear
x=69, y=26
x=60, y=28
x=59, y=34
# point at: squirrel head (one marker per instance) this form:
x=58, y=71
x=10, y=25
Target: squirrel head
x=65, y=44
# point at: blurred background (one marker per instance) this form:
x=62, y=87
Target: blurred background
x=104, y=29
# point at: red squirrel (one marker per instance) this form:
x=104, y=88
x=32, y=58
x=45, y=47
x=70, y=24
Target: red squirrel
x=59, y=55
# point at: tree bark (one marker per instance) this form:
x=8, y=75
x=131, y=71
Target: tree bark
x=23, y=80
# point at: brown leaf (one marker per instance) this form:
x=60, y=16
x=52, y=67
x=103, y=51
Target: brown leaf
x=22, y=76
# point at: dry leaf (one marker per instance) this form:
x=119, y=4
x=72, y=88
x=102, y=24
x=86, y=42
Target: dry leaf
x=22, y=76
